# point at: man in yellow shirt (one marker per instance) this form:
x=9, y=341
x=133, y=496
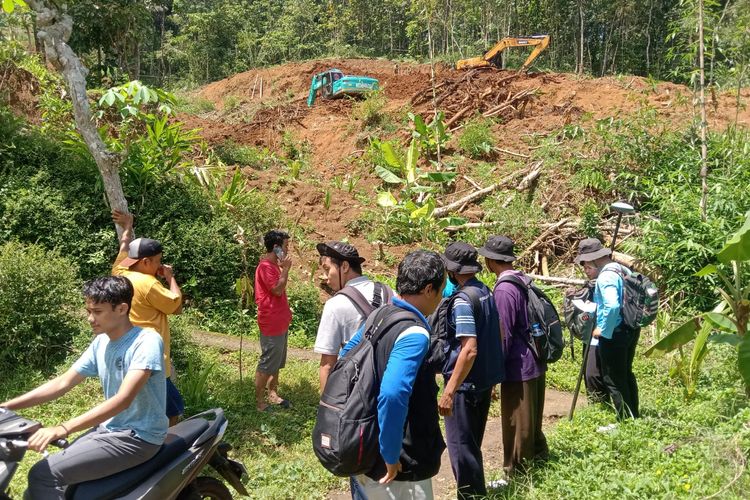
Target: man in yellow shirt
x=139, y=260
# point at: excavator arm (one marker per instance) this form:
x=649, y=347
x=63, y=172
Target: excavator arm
x=492, y=56
x=315, y=85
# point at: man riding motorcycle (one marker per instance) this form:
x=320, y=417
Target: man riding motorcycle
x=129, y=427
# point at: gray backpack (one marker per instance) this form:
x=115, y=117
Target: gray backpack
x=640, y=298
x=345, y=436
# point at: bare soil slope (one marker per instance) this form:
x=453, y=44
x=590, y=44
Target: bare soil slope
x=336, y=138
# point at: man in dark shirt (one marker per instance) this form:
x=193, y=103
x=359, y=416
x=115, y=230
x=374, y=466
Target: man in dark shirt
x=522, y=392
x=474, y=366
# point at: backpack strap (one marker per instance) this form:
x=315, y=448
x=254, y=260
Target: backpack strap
x=360, y=302
x=473, y=294
x=377, y=295
x=516, y=280
x=378, y=325
x=512, y=278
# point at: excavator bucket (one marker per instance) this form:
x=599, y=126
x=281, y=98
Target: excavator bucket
x=493, y=56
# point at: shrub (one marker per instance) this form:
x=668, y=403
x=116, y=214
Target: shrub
x=370, y=112
x=304, y=299
x=198, y=106
x=40, y=305
x=477, y=141
x=590, y=219
x=232, y=153
x=230, y=103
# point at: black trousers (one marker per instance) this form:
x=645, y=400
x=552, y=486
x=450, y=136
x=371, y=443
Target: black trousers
x=464, y=431
x=595, y=387
x=616, y=355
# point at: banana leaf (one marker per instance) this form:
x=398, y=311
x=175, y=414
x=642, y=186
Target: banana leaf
x=676, y=338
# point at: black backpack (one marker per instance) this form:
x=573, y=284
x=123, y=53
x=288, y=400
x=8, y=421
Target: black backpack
x=442, y=335
x=345, y=436
x=549, y=347
x=382, y=295
x=640, y=298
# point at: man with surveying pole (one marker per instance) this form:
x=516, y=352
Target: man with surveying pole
x=617, y=343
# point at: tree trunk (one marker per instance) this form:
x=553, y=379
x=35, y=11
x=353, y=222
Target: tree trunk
x=702, y=103
x=54, y=31
x=580, y=47
x=648, y=37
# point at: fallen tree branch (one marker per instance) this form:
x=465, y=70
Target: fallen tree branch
x=445, y=210
x=546, y=233
x=508, y=152
x=468, y=225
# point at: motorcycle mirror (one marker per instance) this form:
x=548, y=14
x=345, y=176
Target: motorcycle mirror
x=622, y=207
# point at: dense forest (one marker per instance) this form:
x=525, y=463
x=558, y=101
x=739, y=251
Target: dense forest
x=171, y=42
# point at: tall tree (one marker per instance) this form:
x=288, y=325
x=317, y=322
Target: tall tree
x=702, y=104
x=55, y=29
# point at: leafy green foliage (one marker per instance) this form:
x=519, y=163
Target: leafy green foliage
x=52, y=197
x=432, y=136
x=304, y=300
x=412, y=213
x=370, y=111
x=476, y=140
x=40, y=306
x=730, y=316
x=590, y=219
x=232, y=153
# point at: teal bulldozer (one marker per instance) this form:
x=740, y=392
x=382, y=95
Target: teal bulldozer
x=333, y=83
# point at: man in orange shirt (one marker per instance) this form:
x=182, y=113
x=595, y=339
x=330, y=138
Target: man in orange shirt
x=139, y=260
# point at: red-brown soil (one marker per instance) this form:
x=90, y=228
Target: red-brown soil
x=333, y=133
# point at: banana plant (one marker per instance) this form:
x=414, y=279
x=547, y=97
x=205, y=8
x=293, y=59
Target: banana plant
x=727, y=322
x=431, y=136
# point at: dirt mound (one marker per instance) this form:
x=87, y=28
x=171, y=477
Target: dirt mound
x=547, y=102
x=19, y=90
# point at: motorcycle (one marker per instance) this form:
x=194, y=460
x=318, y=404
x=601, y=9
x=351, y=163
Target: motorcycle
x=173, y=473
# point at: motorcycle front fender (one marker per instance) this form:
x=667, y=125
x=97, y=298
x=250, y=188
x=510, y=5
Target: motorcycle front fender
x=231, y=470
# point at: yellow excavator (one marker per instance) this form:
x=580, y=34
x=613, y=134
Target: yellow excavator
x=493, y=56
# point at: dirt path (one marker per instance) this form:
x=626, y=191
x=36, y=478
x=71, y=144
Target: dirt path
x=556, y=406
x=232, y=343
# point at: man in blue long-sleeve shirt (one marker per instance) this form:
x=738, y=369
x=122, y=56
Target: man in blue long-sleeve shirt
x=617, y=343
x=410, y=438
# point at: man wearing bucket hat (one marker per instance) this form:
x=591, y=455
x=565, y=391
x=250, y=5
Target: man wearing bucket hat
x=617, y=343
x=343, y=314
x=522, y=392
x=139, y=260
x=473, y=368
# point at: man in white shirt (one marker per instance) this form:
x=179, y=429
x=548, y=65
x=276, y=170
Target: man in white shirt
x=356, y=296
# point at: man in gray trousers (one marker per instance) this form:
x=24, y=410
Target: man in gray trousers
x=129, y=427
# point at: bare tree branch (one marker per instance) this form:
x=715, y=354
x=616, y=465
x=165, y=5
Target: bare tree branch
x=54, y=32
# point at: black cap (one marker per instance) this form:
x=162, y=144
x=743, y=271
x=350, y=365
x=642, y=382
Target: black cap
x=461, y=258
x=141, y=248
x=591, y=249
x=339, y=250
x=498, y=248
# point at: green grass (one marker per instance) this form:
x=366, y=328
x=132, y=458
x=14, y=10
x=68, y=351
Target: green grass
x=678, y=449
